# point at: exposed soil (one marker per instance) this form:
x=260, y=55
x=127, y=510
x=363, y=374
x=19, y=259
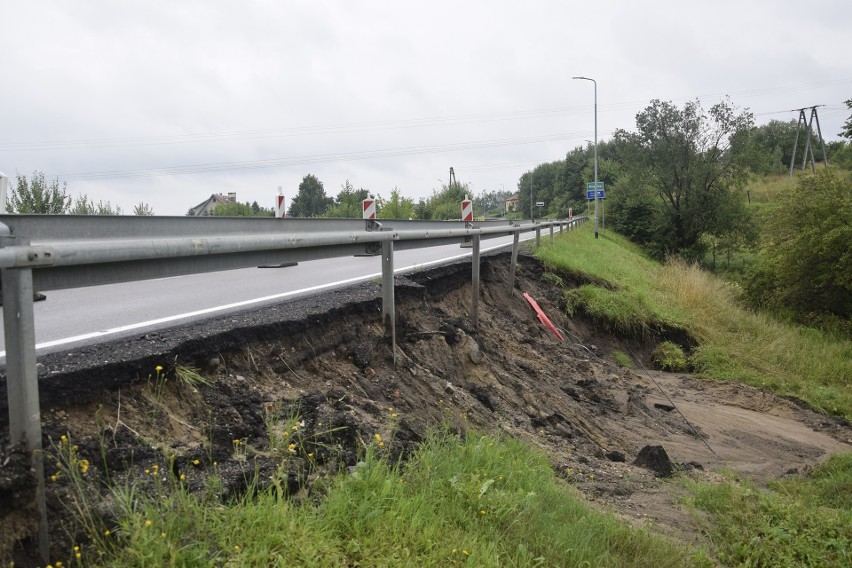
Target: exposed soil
x=328, y=362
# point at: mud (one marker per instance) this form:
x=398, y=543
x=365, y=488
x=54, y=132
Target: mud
x=323, y=373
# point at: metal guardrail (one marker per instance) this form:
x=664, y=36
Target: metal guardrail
x=49, y=252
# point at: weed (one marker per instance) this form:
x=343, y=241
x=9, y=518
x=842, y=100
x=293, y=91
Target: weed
x=668, y=356
x=622, y=359
x=190, y=377
x=157, y=383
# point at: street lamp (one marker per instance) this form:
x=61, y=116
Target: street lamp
x=596, y=149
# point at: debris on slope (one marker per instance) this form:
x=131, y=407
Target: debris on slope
x=299, y=397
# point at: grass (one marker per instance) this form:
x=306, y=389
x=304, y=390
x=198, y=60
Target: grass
x=479, y=501
x=734, y=344
x=801, y=521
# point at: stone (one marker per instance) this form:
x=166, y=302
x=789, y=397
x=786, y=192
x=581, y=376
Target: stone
x=655, y=459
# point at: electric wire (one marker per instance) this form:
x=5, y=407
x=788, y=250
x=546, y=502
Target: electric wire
x=671, y=402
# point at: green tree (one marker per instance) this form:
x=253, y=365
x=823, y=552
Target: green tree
x=311, y=200
x=241, y=210
x=84, y=206
x=142, y=209
x=443, y=204
x=347, y=204
x=39, y=197
x=806, y=258
x=770, y=147
x=692, y=159
x=846, y=132
x=395, y=207
x=490, y=203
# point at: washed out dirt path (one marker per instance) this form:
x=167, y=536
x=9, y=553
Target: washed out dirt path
x=327, y=362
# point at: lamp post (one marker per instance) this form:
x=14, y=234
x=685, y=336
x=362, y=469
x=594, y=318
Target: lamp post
x=596, y=149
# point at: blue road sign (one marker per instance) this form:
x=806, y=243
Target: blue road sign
x=590, y=194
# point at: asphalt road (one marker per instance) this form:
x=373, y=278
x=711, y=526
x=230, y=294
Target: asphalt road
x=85, y=316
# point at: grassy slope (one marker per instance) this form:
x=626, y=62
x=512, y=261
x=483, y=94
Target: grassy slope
x=480, y=501
x=734, y=343
x=800, y=521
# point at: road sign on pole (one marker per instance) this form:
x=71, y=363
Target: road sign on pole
x=590, y=190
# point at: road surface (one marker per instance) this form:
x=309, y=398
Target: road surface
x=84, y=316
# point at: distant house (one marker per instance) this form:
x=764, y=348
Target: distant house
x=205, y=208
x=512, y=203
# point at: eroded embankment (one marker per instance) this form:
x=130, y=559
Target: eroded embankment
x=294, y=398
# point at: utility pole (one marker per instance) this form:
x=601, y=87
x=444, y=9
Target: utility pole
x=532, y=203
x=596, y=148
x=808, y=126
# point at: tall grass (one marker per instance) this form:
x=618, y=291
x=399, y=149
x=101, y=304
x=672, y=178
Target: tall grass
x=801, y=521
x=480, y=501
x=735, y=344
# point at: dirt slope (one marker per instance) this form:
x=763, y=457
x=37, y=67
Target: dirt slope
x=332, y=368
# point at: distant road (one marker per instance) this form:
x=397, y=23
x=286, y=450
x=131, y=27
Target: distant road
x=83, y=316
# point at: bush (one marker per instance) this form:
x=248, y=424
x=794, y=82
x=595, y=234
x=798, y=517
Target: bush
x=668, y=356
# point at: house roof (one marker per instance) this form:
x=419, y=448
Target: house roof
x=205, y=208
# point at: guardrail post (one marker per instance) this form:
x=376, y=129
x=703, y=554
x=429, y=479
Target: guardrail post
x=538, y=236
x=474, y=304
x=22, y=382
x=388, y=306
x=551, y=232
x=515, y=240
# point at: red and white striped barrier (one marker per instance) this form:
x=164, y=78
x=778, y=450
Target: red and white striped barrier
x=368, y=206
x=280, y=210
x=467, y=210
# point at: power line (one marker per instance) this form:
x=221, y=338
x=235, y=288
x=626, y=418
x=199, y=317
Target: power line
x=316, y=158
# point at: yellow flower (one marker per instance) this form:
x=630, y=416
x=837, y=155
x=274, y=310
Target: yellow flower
x=237, y=547
x=381, y=444
x=310, y=455
x=148, y=522
x=195, y=462
x=465, y=552
x=393, y=415
x=63, y=438
x=77, y=555
x=107, y=532
x=182, y=477
x=147, y=472
x=158, y=368
x=481, y=512
x=76, y=549
x=378, y=437
x=54, y=477
x=454, y=551
x=390, y=409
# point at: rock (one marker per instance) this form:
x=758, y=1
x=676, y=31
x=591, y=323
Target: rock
x=475, y=354
x=656, y=459
x=449, y=388
x=361, y=357
x=616, y=456
x=666, y=407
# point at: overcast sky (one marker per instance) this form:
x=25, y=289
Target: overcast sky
x=167, y=102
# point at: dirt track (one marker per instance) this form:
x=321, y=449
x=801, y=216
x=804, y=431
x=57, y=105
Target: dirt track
x=511, y=375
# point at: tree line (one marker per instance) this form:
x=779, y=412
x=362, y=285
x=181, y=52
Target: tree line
x=36, y=195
